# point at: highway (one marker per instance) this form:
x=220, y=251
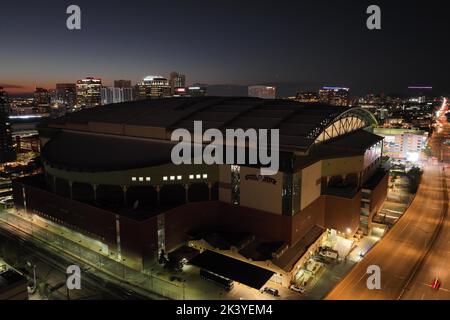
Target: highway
x=415, y=250
x=435, y=265
x=437, y=262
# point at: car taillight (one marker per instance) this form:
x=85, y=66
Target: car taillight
x=436, y=284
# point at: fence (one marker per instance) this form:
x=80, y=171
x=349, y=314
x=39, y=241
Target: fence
x=147, y=281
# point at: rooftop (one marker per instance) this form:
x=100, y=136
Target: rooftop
x=85, y=152
x=300, y=124
x=352, y=144
x=233, y=269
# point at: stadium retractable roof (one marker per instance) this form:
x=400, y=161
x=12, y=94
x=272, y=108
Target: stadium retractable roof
x=301, y=125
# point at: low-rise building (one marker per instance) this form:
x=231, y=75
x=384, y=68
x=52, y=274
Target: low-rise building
x=403, y=144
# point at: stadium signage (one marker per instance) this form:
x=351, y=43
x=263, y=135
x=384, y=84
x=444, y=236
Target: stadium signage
x=260, y=178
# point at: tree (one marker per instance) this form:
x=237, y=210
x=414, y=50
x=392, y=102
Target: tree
x=428, y=151
x=414, y=175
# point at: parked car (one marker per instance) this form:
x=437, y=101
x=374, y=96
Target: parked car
x=297, y=289
x=271, y=291
x=329, y=253
x=321, y=259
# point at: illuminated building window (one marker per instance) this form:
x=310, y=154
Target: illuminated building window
x=134, y=179
x=165, y=178
x=172, y=178
x=141, y=179
x=199, y=176
x=179, y=177
x=148, y=179
x=191, y=177
x=205, y=176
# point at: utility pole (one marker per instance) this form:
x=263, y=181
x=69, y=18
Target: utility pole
x=67, y=288
x=33, y=289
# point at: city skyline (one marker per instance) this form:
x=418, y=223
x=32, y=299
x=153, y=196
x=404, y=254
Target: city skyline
x=312, y=44
x=252, y=155
x=288, y=89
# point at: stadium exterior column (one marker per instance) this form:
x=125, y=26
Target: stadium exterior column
x=186, y=188
x=94, y=187
x=124, y=189
x=71, y=189
x=209, y=190
x=158, y=190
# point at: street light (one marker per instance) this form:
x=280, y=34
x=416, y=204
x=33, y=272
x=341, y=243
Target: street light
x=32, y=289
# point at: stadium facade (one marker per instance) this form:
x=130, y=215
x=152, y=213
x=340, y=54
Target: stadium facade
x=109, y=176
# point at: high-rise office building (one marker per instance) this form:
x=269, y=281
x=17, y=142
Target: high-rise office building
x=116, y=95
x=66, y=94
x=263, y=92
x=41, y=97
x=307, y=97
x=181, y=92
x=52, y=94
x=7, y=152
x=196, y=91
x=153, y=87
x=177, y=81
x=335, y=96
x=89, y=92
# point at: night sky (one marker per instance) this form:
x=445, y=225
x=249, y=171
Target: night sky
x=311, y=43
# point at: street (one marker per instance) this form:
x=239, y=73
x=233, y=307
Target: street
x=437, y=262
x=436, y=265
x=406, y=269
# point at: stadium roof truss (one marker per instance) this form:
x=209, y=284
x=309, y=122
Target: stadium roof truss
x=347, y=122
